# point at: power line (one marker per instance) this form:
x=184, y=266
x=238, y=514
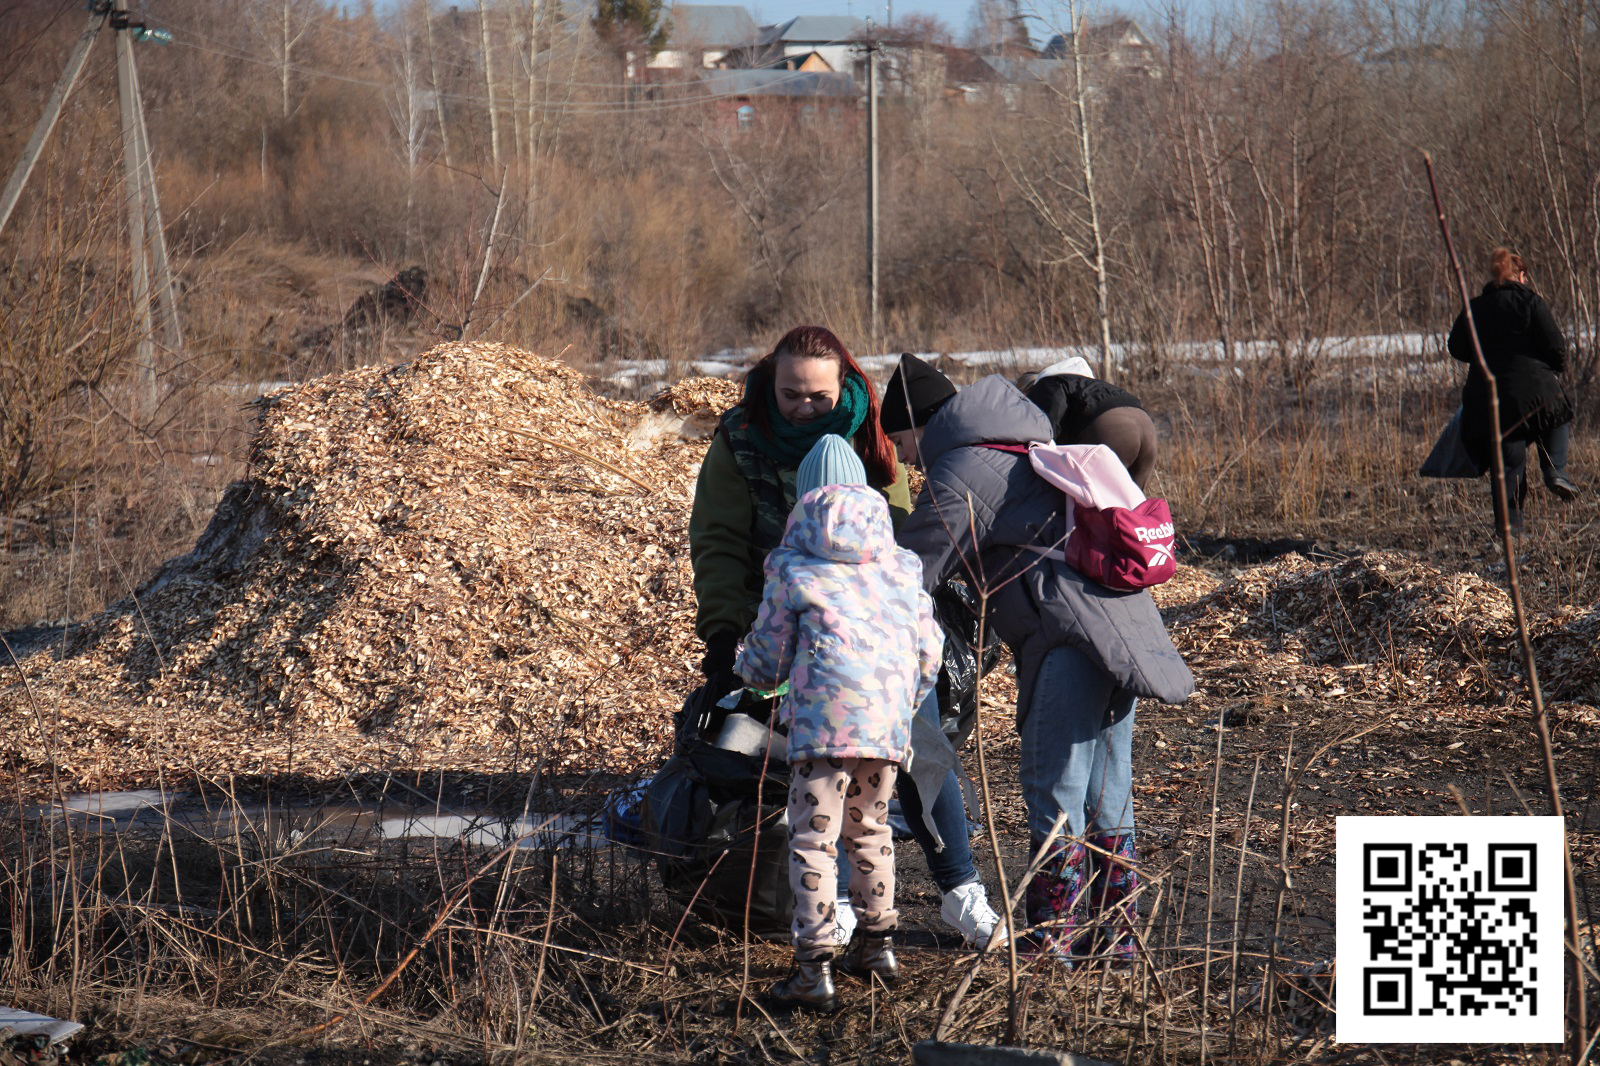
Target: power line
x=189, y=38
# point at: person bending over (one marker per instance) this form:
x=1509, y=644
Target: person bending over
x=1085, y=410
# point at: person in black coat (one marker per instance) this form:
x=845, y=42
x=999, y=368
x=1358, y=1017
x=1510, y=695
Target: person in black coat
x=1525, y=351
x=1085, y=410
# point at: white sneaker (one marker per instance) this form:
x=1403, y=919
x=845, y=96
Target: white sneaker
x=844, y=922
x=966, y=908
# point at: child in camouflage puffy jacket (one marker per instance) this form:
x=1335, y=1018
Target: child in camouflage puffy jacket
x=845, y=620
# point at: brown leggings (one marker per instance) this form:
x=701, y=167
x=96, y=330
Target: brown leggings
x=829, y=799
x=1129, y=432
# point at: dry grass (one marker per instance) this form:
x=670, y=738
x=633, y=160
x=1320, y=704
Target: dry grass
x=105, y=463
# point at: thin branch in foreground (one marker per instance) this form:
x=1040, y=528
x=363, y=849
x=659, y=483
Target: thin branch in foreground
x=1541, y=720
x=444, y=914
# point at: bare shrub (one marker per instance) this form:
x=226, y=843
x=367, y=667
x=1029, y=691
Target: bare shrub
x=65, y=357
x=90, y=438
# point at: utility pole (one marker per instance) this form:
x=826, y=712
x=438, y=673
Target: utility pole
x=872, y=185
x=52, y=112
x=166, y=290
x=133, y=191
x=147, y=237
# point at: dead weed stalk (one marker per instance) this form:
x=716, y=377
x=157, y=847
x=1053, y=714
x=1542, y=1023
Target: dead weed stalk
x=1578, y=1034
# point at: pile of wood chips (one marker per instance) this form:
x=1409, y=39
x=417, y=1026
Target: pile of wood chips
x=470, y=561
x=473, y=562
x=1567, y=650
x=1380, y=626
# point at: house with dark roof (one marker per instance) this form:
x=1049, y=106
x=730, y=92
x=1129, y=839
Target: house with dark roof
x=924, y=71
x=1025, y=73
x=835, y=39
x=1112, y=46
x=702, y=36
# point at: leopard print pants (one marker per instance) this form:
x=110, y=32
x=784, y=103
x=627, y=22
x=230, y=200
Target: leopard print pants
x=829, y=800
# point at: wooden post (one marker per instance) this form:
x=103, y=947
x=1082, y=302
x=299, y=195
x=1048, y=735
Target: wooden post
x=170, y=331
x=133, y=191
x=52, y=112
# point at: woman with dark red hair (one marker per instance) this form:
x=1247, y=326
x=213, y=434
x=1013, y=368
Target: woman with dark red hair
x=807, y=386
x=1525, y=351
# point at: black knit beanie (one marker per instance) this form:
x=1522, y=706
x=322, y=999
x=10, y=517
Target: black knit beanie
x=915, y=391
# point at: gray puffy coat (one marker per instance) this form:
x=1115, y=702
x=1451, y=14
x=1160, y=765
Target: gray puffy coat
x=978, y=510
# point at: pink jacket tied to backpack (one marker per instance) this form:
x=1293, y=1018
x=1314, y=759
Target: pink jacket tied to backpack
x=1116, y=536
x=845, y=619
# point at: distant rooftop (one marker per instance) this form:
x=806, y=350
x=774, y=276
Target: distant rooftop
x=1019, y=71
x=712, y=25
x=780, y=83
x=814, y=29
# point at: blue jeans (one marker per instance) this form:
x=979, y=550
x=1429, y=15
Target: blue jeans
x=952, y=866
x=1077, y=749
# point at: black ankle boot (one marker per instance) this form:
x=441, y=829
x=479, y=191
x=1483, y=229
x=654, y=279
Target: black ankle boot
x=810, y=987
x=871, y=955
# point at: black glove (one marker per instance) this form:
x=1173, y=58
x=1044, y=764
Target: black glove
x=721, y=683
x=720, y=648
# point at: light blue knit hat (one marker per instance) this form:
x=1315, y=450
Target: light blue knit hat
x=831, y=461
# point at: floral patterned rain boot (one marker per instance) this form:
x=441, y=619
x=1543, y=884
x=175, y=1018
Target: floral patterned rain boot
x=1055, y=905
x=1113, y=896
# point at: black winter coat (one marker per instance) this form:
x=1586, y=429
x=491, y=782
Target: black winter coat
x=1525, y=351
x=1073, y=401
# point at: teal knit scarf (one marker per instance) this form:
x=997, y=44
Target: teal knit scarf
x=789, y=443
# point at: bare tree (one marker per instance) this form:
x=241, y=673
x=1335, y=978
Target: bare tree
x=279, y=26
x=1052, y=168
x=435, y=85
x=488, y=81
x=1080, y=95
x=1546, y=59
x=998, y=26
x=778, y=180
x=409, y=102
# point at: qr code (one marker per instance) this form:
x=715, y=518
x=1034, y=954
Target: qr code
x=1449, y=930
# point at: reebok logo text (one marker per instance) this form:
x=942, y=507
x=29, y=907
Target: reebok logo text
x=1146, y=534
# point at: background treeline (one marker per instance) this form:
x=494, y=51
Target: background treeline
x=1265, y=184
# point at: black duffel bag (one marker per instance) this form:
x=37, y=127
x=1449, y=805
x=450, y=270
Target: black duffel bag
x=712, y=815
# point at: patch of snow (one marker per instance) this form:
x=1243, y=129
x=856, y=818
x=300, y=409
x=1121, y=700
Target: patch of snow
x=26, y=1023
x=113, y=803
